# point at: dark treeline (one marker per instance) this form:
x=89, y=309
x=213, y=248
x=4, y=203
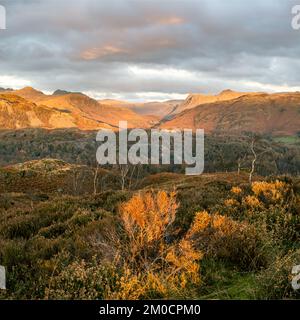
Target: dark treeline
x=223, y=153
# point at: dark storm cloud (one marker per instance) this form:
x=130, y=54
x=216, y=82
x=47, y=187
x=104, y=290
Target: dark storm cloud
x=159, y=48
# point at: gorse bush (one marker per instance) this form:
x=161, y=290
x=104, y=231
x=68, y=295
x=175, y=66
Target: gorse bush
x=147, y=220
x=152, y=260
x=271, y=192
x=220, y=237
x=272, y=207
x=148, y=260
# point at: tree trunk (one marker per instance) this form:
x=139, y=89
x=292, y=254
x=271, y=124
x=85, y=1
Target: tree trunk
x=253, y=162
x=95, y=179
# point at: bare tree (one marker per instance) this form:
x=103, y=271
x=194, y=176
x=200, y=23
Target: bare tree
x=76, y=174
x=253, y=160
x=240, y=161
x=127, y=173
x=255, y=156
x=124, y=171
x=80, y=177
x=96, y=178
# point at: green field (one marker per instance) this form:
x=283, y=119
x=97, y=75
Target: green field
x=288, y=139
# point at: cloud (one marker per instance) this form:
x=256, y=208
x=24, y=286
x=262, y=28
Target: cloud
x=13, y=82
x=171, y=20
x=96, y=53
x=157, y=49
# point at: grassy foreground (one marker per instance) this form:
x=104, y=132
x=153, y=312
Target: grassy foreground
x=208, y=237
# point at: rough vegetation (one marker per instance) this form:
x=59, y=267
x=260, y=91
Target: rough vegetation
x=212, y=236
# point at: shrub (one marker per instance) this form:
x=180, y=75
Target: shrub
x=275, y=281
x=146, y=259
x=81, y=280
x=221, y=237
x=271, y=192
x=149, y=253
x=271, y=206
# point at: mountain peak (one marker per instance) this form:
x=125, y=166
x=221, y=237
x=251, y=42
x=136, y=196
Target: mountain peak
x=28, y=89
x=60, y=92
x=227, y=91
x=6, y=89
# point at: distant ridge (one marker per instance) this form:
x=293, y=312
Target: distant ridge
x=60, y=92
x=28, y=107
x=277, y=114
x=5, y=89
x=195, y=99
x=226, y=112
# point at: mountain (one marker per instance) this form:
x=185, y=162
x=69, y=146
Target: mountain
x=124, y=113
x=196, y=99
x=229, y=111
x=277, y=114
x=17, y=113
x=29, y=93
x=59, y=92
x=28, y=106
x=82, y=105
x=160, y=109
x=5, y=89
x=156, y=109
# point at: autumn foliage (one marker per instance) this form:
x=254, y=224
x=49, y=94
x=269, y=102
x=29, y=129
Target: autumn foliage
x=154, y=263
x=145, y=245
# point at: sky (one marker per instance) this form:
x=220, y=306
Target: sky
x=150, y=49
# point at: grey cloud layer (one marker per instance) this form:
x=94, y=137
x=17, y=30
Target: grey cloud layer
x=104, y=46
